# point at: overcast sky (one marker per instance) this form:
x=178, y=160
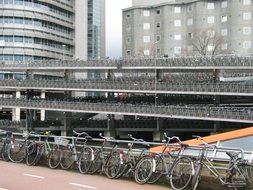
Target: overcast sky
x=114, y=26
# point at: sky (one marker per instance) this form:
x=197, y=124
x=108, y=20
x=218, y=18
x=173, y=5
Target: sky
x=114, y=26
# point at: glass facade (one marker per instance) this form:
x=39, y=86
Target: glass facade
x=94, y=29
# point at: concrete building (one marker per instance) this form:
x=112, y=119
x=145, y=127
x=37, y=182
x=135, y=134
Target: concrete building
x=56, y=29
x=187, y=27
x=64, y=29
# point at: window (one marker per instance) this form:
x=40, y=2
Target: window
x=246, y=30
x=224, y=46
x=128, y=15
x=146, y=13
x=210, y=5
x=128, y=52
x=189, y=21
x=177, y=50
x=146, y=52
x=247, y=16
x=210, y=19
x=211, y=33
x=158, y=38
x=246, y=2
x=190, y=35
x=177, y=37
x=224, y=4
x=158, y=25
x=246, y=44
x=189, y=8
x=224, y=18
x=158, y=11
x=210, y=48
x=224, y=32
x=177, y=10
x=146, y=39
x=177, y=22
x=146, y=26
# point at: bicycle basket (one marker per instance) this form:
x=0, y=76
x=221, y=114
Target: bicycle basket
x=61, y=141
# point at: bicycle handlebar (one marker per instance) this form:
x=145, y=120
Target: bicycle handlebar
x=106, y=138
x=204, y=142
x=143, y=142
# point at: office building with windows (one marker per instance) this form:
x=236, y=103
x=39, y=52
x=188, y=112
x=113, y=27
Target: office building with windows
x=187, y=27
x=57, y=29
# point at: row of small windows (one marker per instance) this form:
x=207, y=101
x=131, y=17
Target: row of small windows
x=34, y=22
x=189, y=22
x=11, y=57
x=38, y=4
x=177, y=9
x=210, y=48
x=31, y=40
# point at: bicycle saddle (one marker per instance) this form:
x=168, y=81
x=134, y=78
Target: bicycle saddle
x=232, y=155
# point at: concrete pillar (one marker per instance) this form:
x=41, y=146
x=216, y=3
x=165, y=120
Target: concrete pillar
x=67, y=127
x=42, y=112
x=110, y=132
x=16, y=111
x=158, y=134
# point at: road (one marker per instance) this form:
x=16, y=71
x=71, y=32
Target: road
x=22, y=177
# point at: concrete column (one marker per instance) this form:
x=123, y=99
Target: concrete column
x=16, y=111
x=110, y=132
x=67, y=127
x=158, y=134
x=42, y=112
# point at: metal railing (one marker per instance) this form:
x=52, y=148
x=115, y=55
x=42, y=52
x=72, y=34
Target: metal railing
x=222, y=61
x=132, y=86
x=231, y=114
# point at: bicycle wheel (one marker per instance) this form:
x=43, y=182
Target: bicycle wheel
x=31, y=152
x=196, y=177
x=241, y=177
x=181, y=173
x=96, y=162
x=143, y=170
x=54, y=157
x=17, y=152
x=85, y=160
x=113, y=165
x=4, y=151
x=157, y=169
x=67, y=159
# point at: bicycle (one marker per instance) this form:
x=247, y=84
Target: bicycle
x=18, y=150
x=179, y=170
x=53, y=153
x=4, y=144
x=129, y=161
x=109, y=163
x=70, y=154
x=238, y=175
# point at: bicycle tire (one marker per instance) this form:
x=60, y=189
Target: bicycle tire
x=17, y=152
x=113, y=165
x=196, y=177
x=54, y=157
x=157, y=170
x=85, y=160
x=181, y=173
x=4, y=151
x=96, y=162
x=67, y=159
x=143, y=170
x=31, y=153
x=243, y=179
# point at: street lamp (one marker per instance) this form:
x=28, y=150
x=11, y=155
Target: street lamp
x=63, y=50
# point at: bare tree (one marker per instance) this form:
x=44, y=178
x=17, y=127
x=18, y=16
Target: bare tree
x=203, y=39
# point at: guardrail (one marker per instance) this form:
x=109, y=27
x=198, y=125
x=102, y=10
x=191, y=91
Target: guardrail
x=222, y=61
x=232, y=114
x=240, y=89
